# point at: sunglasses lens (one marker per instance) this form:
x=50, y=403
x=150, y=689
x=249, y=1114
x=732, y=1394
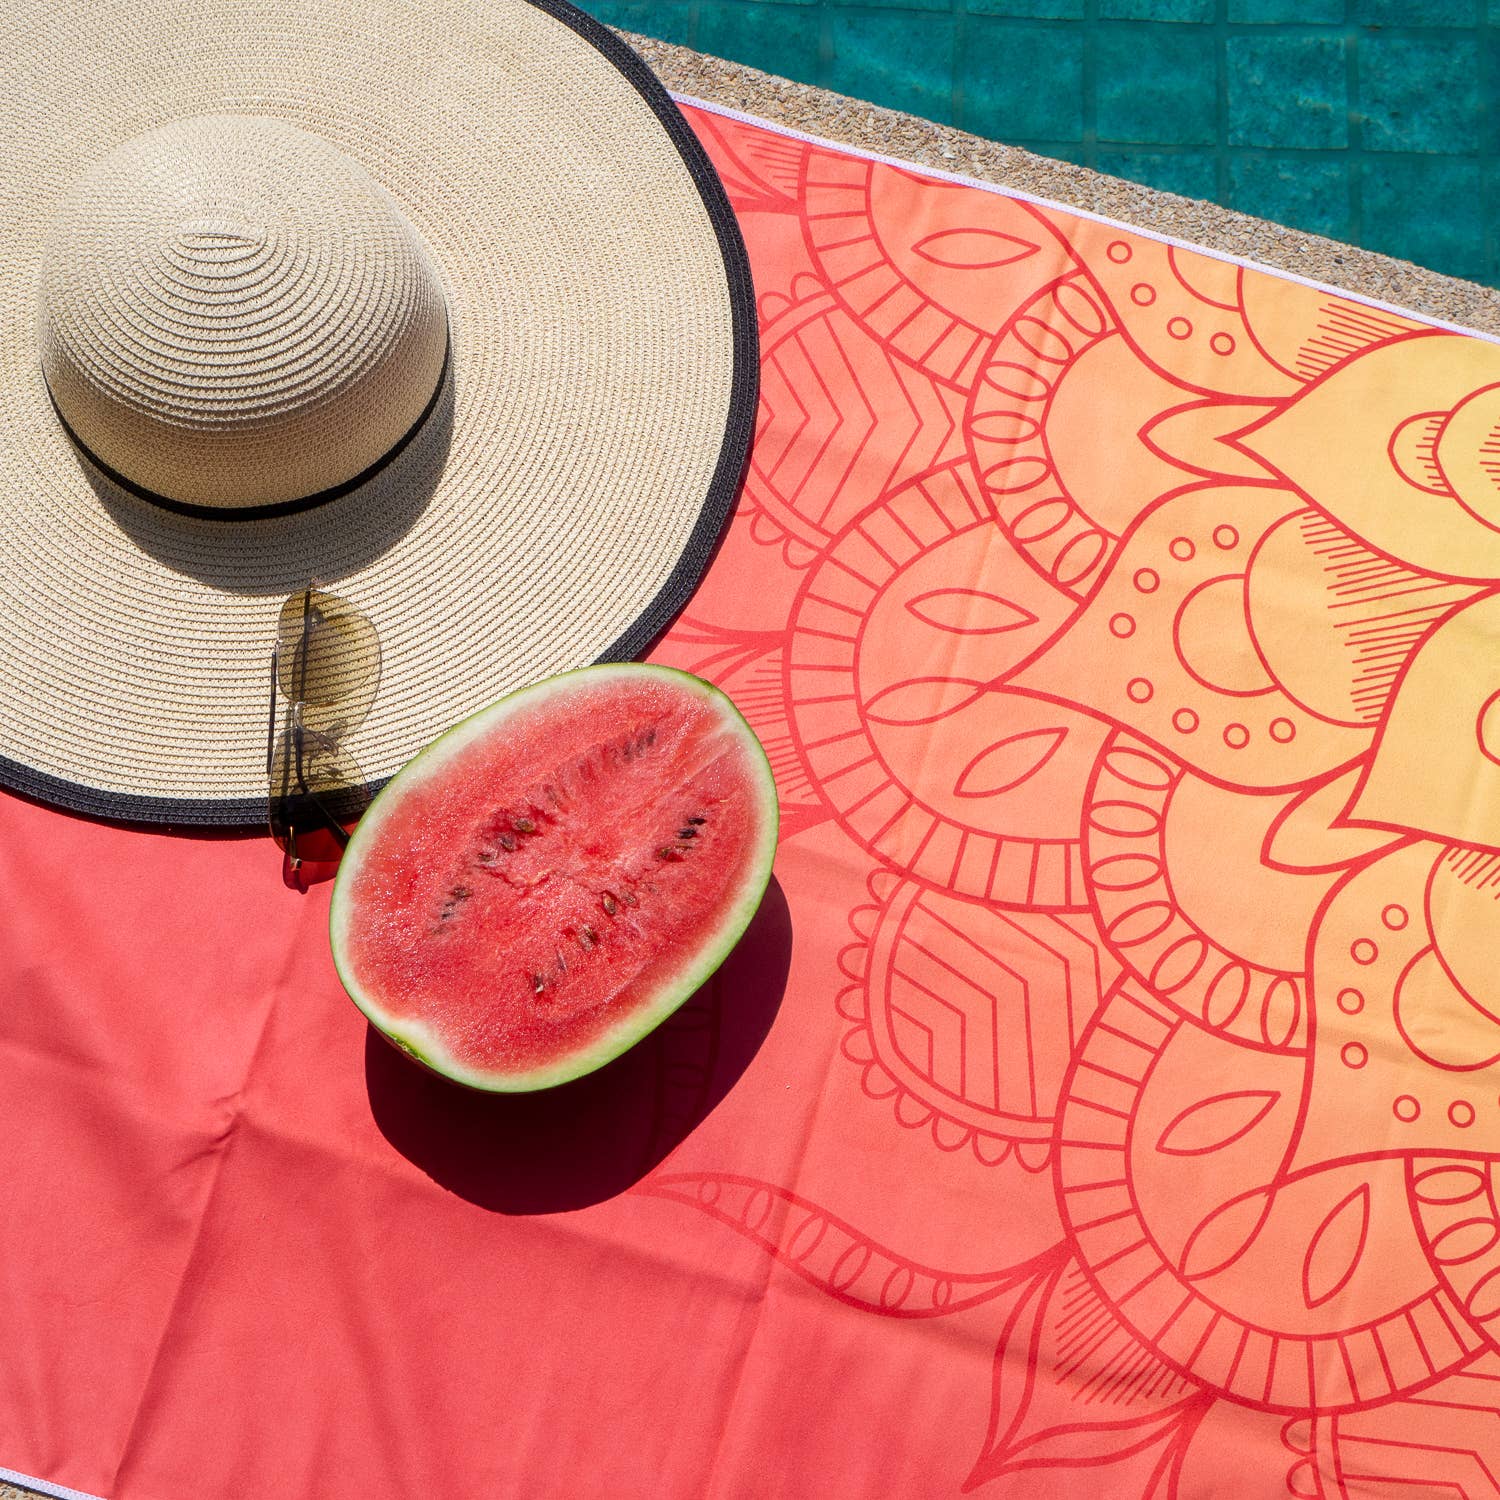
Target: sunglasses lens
x=329, y=659
x=316, y=792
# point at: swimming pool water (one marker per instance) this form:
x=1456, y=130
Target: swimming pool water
x=1373, y=121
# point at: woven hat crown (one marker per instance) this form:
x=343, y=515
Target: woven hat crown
x=233, y=313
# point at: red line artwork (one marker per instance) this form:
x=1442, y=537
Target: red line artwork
x=1130, y=622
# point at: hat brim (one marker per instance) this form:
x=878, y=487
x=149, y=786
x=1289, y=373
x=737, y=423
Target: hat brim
x=558, y=504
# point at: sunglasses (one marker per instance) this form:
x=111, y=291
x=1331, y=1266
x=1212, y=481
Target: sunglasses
x=325, y=669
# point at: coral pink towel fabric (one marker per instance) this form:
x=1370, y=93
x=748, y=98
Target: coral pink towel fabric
x=1105, y=1101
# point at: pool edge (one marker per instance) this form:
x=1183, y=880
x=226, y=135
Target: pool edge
x=888, y=132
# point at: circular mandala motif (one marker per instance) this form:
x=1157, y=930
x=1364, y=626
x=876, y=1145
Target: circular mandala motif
x=966, y=1015
x=1005, y=425
x=893, y=680
x=1170, y=1168
x=1158, y=846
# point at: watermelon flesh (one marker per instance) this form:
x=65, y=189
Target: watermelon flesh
x=552, y=878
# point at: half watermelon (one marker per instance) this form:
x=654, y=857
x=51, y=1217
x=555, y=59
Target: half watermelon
x=552, y=878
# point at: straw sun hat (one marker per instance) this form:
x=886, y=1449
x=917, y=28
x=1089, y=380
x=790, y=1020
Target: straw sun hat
x=437, y=303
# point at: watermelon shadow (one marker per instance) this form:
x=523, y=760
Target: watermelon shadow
x=589, y=1140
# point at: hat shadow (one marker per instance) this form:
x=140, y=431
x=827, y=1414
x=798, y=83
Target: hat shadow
x=576, y=1145
x=326, y=541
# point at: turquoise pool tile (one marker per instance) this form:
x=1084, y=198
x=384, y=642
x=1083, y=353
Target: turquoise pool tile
x=667, y=20
x=1022, y=83
x=914, y=6
x=1156, y=85
x=1487, y=138
x=778, y=41
x=1427, y=209
x=1287, y=90
x=1192, y=173
x=1304, y=192
x=1278, y=12
x=1033, y=10
x=1156, y=10
x=1402, y=106
x=1412, y=12
x=892, y=60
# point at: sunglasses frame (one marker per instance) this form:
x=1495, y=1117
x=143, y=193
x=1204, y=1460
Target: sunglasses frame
x=297, y=733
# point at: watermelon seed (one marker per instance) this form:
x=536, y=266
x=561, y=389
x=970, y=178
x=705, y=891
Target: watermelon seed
x=486, y=856
x=668, y=852
x=538, y=984
x=697, y=821
x=587, y=938
x=507, y=842
x=610, y=905
x=630, y=900
x=687, y=833
x=523, y=825
x=460, y=893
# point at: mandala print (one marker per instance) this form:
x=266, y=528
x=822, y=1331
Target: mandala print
x=1130, y=620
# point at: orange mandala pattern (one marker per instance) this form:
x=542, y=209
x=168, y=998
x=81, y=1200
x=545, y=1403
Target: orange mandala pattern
x=1131, y=623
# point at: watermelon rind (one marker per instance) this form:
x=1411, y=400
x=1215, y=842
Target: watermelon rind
x=420, y=1041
